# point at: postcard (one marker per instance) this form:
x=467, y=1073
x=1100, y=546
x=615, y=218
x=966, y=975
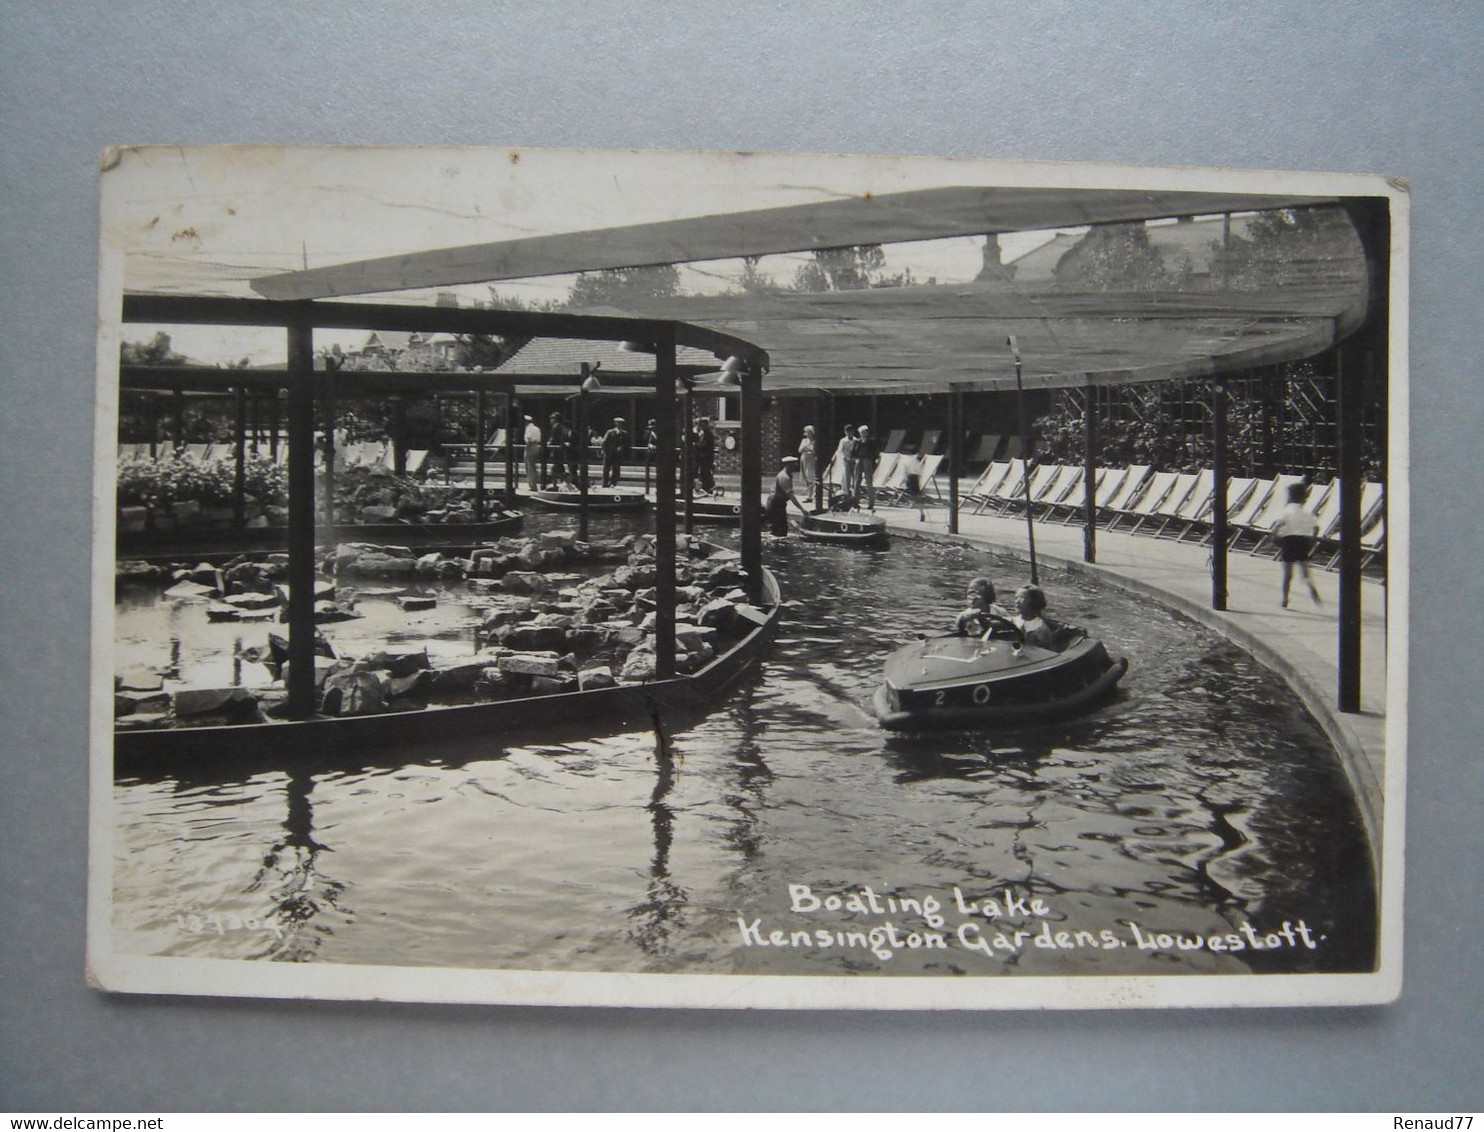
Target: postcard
x=686, y=579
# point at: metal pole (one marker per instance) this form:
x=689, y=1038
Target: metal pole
x=1030, y=525
x=664, y=517
x=580, y=444
x=752, y=475
x=1090, y=474
x=399, y=435
x=329, y=419
x=481, y=430
x=301, y=687
x=955, y=453
x=688, y=460
x=509, y=448
x=1219, y=407
x=824, y=453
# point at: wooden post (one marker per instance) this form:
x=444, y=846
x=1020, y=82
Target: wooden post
x=824, y=451
x=688, y=461
x=399, y=435
x=1090, y=474
x=664, y=514
x=955, y=453
x=328, y=416
x=177, y=402
x=481, y=431
x=509, y=447
x=301, y=688
x=273, y=424
x=1219, y=409
x=1030, y=524
x=579, y=437
x=752, y=475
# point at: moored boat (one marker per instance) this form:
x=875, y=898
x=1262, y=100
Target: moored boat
x=849, y=529
x=967, y=682
x=601, y=500
x=711, y=511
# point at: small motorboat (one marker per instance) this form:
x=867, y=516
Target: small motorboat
x=852, y=528
x=602, y=499
x=711, y=511
x=971, y=682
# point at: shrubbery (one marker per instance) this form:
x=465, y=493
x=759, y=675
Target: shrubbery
x=157, y=484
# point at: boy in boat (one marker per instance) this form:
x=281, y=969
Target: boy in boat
x=1296, y=531
x=983, y=614
x=1030, y=619
x=783, y=495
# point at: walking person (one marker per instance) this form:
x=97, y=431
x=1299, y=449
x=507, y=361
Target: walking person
x=532, y=453
x=615, y=440
x=782, y=496
x=808, y=461
x=867, y=456
x=1296, y=531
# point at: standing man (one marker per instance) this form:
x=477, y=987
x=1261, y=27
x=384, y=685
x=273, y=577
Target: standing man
x=557, y=438
x=532, y=452
x=782, y=495
x=615, y=440
x=845, y=454
x=867, y=456
x=705, y=455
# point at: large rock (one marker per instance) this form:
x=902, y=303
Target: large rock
x=522, y=581
x=328, y=613
x=502, y=616
x=415, y=686
x=399, y=664
x=547, y=637
x=214, y=701
x=719, y=614
x=457, y=675
x=253, y=599
x=752, y=614
x=597, y=677
x=531, y=664
x=638, y=665
x=377, y=514
x=429, y=565
x=411, y=603
x=635, y=577
x=138, y=680
x=188, y=590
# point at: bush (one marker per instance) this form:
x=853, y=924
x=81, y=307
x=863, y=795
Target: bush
x=157, y=484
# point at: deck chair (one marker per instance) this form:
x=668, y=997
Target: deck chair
x=1154, y=507
x=1189, y=492
x=1009, y=489
x=1135, y=480
x=1239, y=494
x=929, y=443
x=1372, y=513
x=1070, y=506
x=1195, y=509
x=415, y=461
x=886, y=467
x=985, y=449
x=894, y=440
x=197, y=452
x=893, y=485
x=1041, y=477
x=927, y=474
x=1065, y=494
x=1260, y=522
x=1240, y=516
x=1138, y=506
x=987, y=481
x=1048, y=484
x=1014, y=447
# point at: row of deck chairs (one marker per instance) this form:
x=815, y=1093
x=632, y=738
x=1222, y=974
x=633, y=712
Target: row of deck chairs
x=362, y=455
x=1176, y=505
x=984, y=449
x=891, y=474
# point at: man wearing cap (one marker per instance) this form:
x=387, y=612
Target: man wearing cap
x=867, y=456
x=532, y=452
x=615, y=440
x=705, y=455
x=783, y=495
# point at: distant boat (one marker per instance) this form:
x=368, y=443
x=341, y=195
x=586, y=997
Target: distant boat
x=965, y=682
x=567, y=499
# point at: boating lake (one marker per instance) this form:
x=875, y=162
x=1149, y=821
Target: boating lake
x=1197, y=823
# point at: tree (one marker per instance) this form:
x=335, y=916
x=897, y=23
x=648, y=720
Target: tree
x=612, y=286
x=1287, y=246
x=155, y=352
x=847, y=269
x=1113, y=257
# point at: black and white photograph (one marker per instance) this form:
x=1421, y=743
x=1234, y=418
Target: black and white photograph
x=699, y=579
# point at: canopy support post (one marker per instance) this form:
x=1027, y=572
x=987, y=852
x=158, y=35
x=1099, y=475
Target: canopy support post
x=239, y=467
x=481, y=431
x=509, y=447
x=688, y=459
x=955, y=453
x=1089, y=473
x=327, y=413
x=664, y=516
x=752, y=475
x=1222, y=472
x=301, y=517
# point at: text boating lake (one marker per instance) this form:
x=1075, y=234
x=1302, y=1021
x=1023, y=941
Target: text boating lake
x=1198, y=823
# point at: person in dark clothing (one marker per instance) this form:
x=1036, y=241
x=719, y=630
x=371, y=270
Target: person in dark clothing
x=782, y=496
x=558, y=441
x=867, y=456
x=705, y=455
x=615, y=440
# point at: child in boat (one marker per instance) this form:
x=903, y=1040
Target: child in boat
x=1030, y=619
x=982, y=613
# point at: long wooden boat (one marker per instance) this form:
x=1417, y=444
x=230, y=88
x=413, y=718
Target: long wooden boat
x=969, y=683
x=849, y=529
x=204, y=540
x=605, y=499
x=329, y=739
x=712, y=511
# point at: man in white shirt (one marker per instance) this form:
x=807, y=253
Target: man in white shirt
x=533, y=453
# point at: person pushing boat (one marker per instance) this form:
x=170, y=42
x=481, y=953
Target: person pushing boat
x=783, y=495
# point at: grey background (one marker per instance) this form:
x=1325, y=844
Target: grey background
x=1326, y=86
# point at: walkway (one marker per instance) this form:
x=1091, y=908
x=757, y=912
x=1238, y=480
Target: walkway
x=1300, y=643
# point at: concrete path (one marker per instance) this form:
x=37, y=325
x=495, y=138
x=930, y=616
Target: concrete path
x=1300, y=643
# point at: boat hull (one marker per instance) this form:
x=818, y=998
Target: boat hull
x=596, y=500
x=845, y=530
x=960, y=683
x=331, y=740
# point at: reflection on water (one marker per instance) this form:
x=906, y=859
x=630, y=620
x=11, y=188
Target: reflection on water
x=1202, y=804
